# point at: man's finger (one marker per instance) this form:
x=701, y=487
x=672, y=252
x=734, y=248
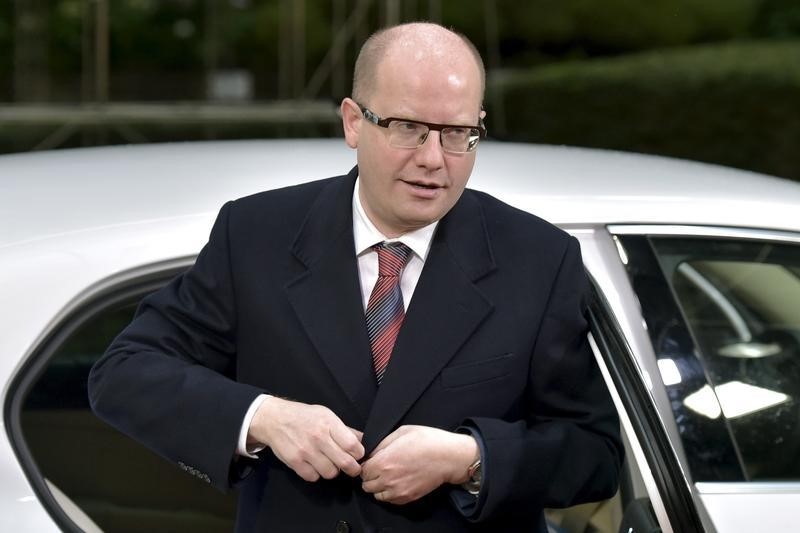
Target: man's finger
x=369, y=470
x=323, y=466
x=389, y=439
x=373, y=486
x=359, y=434
x=350, y=467
x=346, y=439
x=307, y=472
x=341, y=458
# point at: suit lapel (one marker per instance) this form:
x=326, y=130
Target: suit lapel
x=327, y=297
x=444, y=311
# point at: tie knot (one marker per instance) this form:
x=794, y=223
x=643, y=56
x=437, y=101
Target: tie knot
x=392, y=257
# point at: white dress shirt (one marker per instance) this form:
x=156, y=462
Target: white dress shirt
x=365, y=236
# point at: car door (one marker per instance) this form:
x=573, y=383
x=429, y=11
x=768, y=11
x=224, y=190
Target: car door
x=87, y=475
x=654, y=491
x=721, y=314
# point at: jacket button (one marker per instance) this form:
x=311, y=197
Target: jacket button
x=342, y=527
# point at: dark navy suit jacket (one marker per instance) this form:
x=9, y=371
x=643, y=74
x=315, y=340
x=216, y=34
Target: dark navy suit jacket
x=493, y=339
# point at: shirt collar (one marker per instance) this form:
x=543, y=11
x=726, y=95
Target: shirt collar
x=367, y=235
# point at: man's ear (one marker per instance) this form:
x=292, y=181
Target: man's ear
x=351, y=122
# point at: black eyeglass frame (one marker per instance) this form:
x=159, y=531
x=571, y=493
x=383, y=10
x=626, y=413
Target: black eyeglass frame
x=373, y=117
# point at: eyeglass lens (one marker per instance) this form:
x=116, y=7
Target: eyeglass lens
x=412, y=134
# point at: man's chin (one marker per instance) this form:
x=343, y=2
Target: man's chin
x=418, y=222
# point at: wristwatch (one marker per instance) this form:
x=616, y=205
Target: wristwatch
x=474, y=477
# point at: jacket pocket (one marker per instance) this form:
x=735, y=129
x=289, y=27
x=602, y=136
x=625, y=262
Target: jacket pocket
x=477, y=372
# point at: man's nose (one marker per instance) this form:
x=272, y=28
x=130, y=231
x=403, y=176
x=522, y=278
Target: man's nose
x=431, y=154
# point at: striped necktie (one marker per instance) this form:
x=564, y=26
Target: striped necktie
x=385, y=311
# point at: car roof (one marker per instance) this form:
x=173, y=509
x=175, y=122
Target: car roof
x=45, y=194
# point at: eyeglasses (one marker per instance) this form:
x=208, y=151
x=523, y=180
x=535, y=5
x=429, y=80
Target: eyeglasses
x=405, y=133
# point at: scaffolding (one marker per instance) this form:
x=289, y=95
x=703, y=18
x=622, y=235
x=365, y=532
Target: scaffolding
x=301, y=98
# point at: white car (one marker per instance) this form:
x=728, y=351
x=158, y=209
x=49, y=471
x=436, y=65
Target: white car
x=695, y=323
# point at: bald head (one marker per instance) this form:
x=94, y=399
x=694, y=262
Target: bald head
x=415, y=41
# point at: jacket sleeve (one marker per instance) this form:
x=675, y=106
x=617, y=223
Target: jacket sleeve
x=568, y=450
x=167, y=379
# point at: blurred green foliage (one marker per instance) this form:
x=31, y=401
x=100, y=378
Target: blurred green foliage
x=714, y=80
x=540, y=30
x=778, y=18
x=6, y=49
x=64, y=38
x=734, y=104
x=174, y=37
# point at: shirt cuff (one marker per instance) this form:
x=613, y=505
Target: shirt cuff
x=243, y=448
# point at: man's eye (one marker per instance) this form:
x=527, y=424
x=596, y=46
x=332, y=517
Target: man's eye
x=457, y=133
x=409, y=127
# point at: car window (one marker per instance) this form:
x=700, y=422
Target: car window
x=119, y=484
x=739, y=301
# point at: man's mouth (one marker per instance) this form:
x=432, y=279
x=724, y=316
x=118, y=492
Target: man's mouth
x=423, y=185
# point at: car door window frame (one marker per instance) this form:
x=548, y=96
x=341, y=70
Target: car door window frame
x=644, y=419
x=121, y=288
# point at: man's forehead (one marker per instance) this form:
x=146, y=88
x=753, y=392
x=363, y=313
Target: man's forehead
x=453, y=64
x=424, y=47
x=423, y=72
x=418, y=58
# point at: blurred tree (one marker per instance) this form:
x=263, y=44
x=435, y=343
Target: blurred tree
x=157, y=50
x=537, y=30
x=163, y=40
x=778, y=18
x=6, y=48
x=30, y=63
x=564, y=62
x=732, y=103
x=166, y=33
x=169, y=42
x=65, y=49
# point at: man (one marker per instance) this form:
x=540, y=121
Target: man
x=382, y=351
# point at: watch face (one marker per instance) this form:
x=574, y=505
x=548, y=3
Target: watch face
x=474, y=468
x=477, y=474
x=473, y=484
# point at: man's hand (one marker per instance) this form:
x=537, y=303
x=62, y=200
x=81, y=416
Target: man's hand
x=309, y=439
x=414, y=460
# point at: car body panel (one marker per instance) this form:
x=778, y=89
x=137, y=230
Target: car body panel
x=118, y=185
x=76, y=221
x=757, y=506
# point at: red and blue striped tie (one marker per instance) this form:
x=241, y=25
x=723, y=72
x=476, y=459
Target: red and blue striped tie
x=385, y=311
